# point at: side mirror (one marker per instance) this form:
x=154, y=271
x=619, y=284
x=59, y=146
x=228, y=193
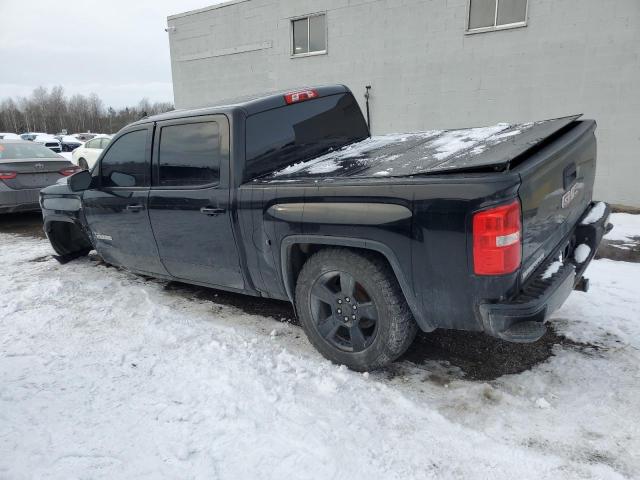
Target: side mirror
x=119, y=179
x=79, y=182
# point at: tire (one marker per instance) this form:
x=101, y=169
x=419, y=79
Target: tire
x=378, y=327
x=82, y=163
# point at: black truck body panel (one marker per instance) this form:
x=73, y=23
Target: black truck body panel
x=258, y=231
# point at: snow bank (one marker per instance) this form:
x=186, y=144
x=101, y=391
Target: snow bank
x=104, y=374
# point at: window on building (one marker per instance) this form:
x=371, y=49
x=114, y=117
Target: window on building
x=309, y=35
x=190, y=155
x=485, y=15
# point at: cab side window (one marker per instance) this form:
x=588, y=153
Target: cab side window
x=190, y=155
x=126, y=164
x=93, y=144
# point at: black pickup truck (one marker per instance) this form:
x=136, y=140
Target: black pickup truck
x=287, y=196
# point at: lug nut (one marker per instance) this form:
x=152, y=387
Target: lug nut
x=339, y=301
x=355, y=307
x=353, y=316
x=339, y=311
x=347, y=299
x=346, y=319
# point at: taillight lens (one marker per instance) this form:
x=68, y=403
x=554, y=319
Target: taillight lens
x=70, y=171
x=7, y=175
x=301, y=96
x=497, y=240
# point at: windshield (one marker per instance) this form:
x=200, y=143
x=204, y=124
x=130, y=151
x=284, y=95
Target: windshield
x=20, y=150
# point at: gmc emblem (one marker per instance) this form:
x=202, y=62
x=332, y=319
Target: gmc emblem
x=569, y=195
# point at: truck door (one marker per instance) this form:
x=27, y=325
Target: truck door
x=189, y=203
x=116, y=209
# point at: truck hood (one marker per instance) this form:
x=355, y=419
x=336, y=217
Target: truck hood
x=430, y=152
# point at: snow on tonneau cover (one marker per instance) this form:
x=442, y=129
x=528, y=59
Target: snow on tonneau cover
x=430, y=152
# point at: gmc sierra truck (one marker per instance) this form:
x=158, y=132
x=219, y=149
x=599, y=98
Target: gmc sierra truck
x=287, y=196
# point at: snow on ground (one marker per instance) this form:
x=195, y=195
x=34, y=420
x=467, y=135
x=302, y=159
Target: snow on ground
x=66, y=155
x=626, y=226
x=104, y=374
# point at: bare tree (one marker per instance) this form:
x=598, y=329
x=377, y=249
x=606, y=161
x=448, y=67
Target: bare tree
x=52, y=111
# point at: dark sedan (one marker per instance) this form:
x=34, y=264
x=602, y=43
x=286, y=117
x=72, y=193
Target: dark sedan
x=69, y=143
x=25, y=168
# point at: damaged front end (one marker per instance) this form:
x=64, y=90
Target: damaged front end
x=64, y=222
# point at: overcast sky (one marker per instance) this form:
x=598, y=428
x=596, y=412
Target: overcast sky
x=115, y=48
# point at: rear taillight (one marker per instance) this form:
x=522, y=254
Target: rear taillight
x=497, y=240
x=7, y=175
x=69, y=171
x=301, y=96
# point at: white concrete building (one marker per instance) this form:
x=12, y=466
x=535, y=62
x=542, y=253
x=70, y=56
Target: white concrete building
x=432, y=63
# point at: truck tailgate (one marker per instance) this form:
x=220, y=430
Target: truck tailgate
x=557, y=187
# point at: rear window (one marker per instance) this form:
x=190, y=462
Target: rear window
x=19, y=150
x=190, y=154
x=294, y=133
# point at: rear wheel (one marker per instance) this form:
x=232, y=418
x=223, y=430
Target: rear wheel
x=82, y=163
x=352, y=309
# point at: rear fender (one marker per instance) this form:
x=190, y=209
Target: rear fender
x=289, y=278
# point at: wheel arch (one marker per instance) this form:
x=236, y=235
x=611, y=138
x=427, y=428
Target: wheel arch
x=295, y=249
x=65, y=235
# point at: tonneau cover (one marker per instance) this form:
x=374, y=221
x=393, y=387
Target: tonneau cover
x=431, y=152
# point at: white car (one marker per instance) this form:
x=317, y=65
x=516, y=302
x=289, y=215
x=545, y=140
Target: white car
x=85, y=156
x=9, y=136
x=49, y=141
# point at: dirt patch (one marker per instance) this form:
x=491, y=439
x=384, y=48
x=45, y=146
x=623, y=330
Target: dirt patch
x=624, y=251
x=23, y=224
x=482, y=357
x=276, y=309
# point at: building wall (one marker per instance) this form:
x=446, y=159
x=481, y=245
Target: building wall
x=574, y=56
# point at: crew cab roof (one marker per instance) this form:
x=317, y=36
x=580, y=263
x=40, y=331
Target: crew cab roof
x=250, y=104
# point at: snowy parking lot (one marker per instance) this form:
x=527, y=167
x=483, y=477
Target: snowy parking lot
x=104, y=374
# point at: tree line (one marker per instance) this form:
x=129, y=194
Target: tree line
x=51, y=111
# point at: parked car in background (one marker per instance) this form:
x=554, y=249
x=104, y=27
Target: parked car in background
x=49, y=141
x=70, y=143
x=85, y=136
x=31, y=136
x=25, y=168
x=485, y=229
x=9, y=136
x=86, y=155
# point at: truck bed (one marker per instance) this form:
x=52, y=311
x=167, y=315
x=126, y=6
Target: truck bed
x=432, y=152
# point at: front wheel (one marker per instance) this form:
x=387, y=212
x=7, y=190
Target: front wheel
x=352, y=309
x=82, y=163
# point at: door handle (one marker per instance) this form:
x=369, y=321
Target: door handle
x=212, y=212
x=135, y=208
